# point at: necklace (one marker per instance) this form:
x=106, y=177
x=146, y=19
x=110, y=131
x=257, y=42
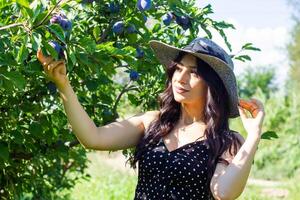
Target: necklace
x=183, y=128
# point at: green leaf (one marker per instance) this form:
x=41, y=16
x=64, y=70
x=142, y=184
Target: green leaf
x=58, y=31
x=156, y=28
x=83, y=58
x=22, y=53
x=23, y=3
x=225, y=38
x=174, y=2
x=4, y=153
x=72, y=56
x=132, y=38
x=37, y=8
x=36, y=40
x=17, y=136
x=50, y=50
x=207, y=9
x=3, y=4
x=253, y=48
x=268, y=135
x=35, y=129
x=96, y=32
x=132, y=98
x=223, y=24
x=249, y=46
x=243, y=58
x=88, y=44
x=92, y=85
x=8, y=59
x=206, y=31
x=16, y=78
x=246, y=45
x=34, y=67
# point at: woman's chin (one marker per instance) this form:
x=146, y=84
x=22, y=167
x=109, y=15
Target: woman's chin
x=180, y=99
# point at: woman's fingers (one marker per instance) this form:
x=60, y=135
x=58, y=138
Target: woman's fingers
x=254, y=106
x=52, y=65
x=258, y=103
x=248, y=105
x=43, y=59
x=58, y=69
x=242, y=112
x=260, y=108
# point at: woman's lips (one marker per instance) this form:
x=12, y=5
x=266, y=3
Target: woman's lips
x=179, y=90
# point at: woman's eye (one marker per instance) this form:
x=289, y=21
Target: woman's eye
x=194, y=71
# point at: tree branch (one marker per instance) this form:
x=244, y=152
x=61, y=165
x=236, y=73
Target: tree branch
x=11, y=26
x=29, y=156
x=45, y=18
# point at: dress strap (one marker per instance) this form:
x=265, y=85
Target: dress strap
x=199, y=137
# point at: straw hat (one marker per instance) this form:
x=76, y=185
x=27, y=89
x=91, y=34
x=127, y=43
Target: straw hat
x=213, y=55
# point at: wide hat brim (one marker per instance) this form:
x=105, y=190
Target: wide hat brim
x=165, y=53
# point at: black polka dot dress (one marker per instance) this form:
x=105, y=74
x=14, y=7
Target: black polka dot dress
x=176, y=174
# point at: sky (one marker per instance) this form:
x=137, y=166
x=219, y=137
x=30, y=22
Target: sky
x=265, y=23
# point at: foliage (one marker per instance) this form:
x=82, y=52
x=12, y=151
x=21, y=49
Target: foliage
x=256, y=77
x=293, y=53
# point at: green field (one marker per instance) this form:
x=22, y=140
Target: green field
x=109, y=183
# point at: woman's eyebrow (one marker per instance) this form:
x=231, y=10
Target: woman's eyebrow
x=188, y=66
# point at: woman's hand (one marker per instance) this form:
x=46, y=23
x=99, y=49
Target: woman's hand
x=55, y=70
x=252, y=124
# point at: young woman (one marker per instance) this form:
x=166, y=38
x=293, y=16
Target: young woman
x=185, y=150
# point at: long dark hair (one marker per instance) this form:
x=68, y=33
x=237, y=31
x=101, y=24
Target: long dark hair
x=218, y=136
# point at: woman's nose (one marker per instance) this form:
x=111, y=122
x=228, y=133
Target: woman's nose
x=182, y=75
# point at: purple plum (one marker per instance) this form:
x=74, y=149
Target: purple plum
x=134, y=75
x=113, y=7
x=52, y=88
x=145, y=17
x=183, y=21
x=143, y=5
x=62, y=20
x=65, y=24
x=167, y=18
x=58, y=48
x=131, y=28
x=55, y=19
x=118, y=27
x=139, y=53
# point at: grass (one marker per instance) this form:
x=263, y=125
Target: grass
x=108, y=183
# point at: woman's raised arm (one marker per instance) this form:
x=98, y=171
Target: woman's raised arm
x=113, y=136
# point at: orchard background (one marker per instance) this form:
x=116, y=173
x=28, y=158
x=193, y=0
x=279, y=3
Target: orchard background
x=113, y=71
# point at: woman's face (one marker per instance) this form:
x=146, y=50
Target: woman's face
x=186, y=77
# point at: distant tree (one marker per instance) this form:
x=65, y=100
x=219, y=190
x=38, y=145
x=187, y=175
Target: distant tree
x=294, y=48
x=254, y=77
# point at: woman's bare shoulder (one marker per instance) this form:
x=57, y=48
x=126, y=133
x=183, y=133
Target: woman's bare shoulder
x=149, y=117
